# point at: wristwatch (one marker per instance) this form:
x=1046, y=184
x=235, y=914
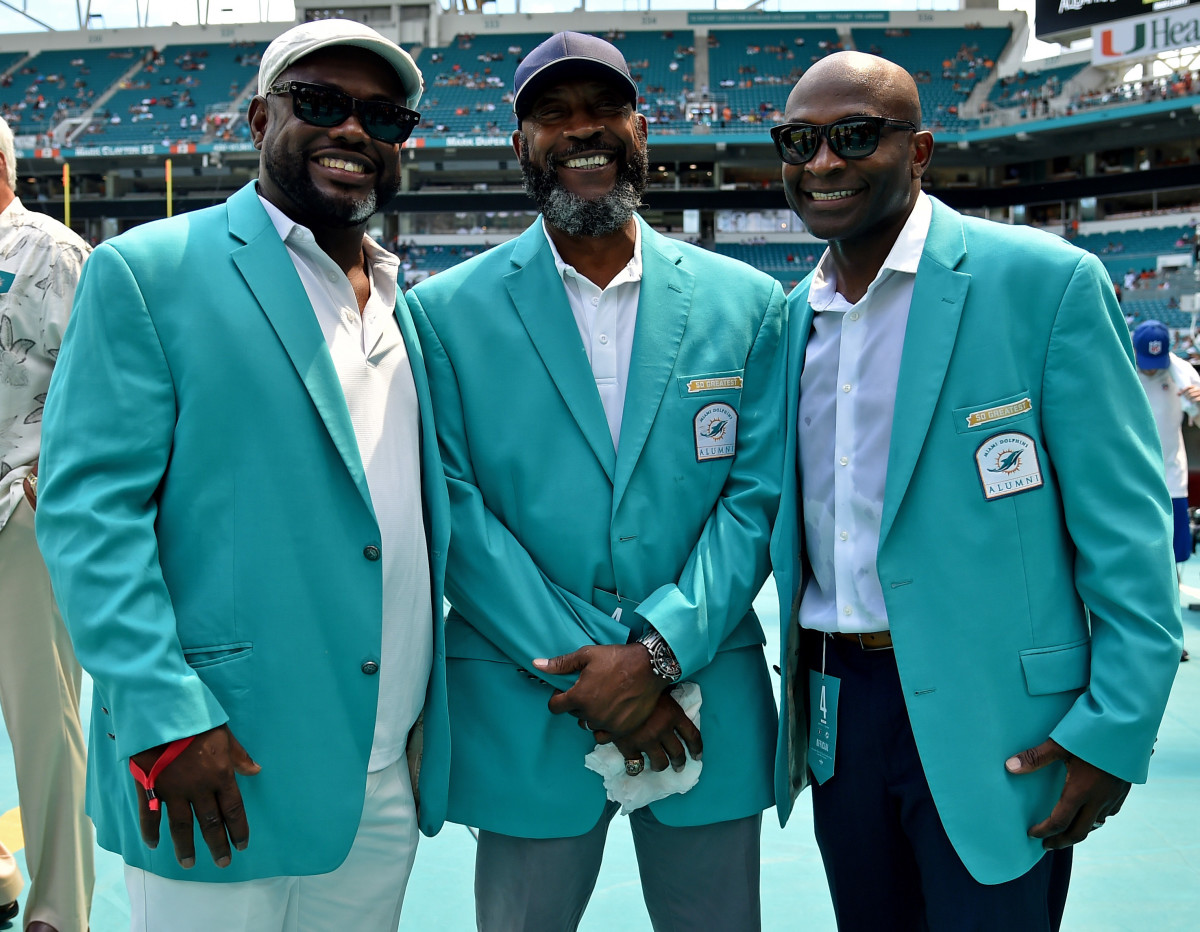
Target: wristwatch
x=662, y=658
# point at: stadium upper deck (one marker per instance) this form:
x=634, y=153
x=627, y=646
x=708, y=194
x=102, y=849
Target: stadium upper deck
x=1011, y=134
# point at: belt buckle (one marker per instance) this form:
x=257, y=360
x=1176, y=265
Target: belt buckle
x=863, y=645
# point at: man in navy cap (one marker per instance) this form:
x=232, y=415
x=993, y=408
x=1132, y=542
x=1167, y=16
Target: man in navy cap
x=608, y=405
x=1173, y=388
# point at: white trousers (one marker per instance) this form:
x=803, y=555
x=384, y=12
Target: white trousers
x=365, y=893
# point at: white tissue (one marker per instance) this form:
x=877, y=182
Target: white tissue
x=648, y=786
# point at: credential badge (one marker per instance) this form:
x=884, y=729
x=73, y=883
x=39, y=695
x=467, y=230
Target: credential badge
x=1008, y=464
x=716, y=432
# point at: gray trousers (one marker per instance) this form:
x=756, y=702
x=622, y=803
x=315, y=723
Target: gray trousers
x=699, y=878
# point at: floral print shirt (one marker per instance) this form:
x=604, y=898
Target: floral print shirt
x=40, y=261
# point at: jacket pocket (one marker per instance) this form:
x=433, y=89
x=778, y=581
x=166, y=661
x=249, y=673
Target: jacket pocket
x=710, y=383
x=1057, y=669
x=994, y=415
x=464, y=642
x=198, y=657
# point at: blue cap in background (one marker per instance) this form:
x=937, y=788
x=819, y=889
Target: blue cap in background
x=1152, y=345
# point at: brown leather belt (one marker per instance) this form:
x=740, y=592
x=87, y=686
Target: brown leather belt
x=871, y=640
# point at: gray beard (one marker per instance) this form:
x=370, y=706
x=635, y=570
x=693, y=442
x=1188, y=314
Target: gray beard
x=577, y=216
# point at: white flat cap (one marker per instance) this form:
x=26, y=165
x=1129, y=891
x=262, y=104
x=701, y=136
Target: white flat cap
x=299, y=41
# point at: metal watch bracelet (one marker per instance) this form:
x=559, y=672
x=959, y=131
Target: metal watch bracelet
x=662, y=658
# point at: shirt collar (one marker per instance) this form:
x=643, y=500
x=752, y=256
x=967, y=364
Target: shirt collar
x=631, y=273
x=904, y=256
x=285, y=226
x=14, y=207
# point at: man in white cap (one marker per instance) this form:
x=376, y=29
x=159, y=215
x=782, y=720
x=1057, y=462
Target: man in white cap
x=246, y=522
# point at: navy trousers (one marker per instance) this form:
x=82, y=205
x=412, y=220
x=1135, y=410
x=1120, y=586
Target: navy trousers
x=889, y=863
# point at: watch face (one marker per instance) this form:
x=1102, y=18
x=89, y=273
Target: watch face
x=665, y=665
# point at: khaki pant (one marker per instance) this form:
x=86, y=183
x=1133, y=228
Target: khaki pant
x=39, y=695
x=11, y=881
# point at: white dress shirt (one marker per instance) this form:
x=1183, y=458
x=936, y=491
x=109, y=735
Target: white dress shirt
x=607, y=318
x=373, y=367
x=847, y=402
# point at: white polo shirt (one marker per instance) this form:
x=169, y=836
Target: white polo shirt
x=1162, y=389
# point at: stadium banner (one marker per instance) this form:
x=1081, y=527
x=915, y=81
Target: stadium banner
x=1146, y=36
x=1058, y=16
x=751, y=18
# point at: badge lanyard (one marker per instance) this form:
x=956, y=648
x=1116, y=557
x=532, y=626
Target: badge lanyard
x=822, y=720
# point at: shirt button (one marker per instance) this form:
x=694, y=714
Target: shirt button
x=604, y=338
x=845, y=461
x=370, y=668
x=845, y=535
x=854, y=315
x=332, y=276
x=371, y=552
x=847, y=610
x=846, y=387
x=595, y=301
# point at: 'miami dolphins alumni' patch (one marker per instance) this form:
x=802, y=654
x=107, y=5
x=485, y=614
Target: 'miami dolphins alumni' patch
x=1008, y=464
x=716, y=431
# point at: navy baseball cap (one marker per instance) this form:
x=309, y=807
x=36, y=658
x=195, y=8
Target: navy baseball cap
x=1152, y=345
x=569, y=56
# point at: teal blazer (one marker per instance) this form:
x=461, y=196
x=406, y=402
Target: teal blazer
x=203, y=514
x=554, y=531
x=1052, y=612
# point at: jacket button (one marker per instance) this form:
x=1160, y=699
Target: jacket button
x=371, y=552
x=370, y=668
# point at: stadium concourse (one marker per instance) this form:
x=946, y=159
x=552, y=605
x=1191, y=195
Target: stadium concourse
x=1140, y=874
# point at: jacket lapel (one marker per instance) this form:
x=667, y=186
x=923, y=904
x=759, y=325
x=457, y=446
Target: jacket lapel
x=267, y=268
x=537, y=293
x=436, y=510
x=665, y=296
x=933, y=318
x=785, y=536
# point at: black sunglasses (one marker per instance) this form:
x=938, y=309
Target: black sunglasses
x=850, y=138
x=320, y=105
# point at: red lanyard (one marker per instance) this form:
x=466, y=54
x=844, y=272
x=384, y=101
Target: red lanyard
x=147, y=781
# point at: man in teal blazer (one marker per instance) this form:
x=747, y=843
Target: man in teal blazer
x=212, y=518
x=590, y=513
x=973, y=536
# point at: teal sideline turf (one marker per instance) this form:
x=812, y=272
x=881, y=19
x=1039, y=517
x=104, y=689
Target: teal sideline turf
x=1140, y=874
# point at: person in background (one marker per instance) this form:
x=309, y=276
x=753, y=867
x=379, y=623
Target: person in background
x=1173, y=388
x=247, y=523
x=972, y=537
x=40, y=264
